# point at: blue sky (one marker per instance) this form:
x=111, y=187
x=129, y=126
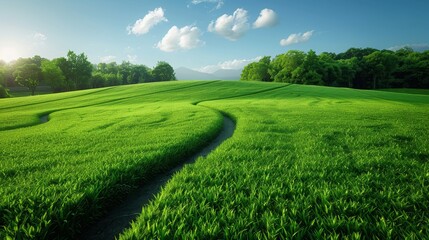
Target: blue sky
x=205, y=34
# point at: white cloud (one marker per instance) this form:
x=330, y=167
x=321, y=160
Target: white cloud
x=152, y=18
x=230, y=64
x=232, y=26
x=132, y=58
x=296, y=38
x=219, y=3
x=107, y=59
x=176, y=38
x=40, y=37
x=267, y=18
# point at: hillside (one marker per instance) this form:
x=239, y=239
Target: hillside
x=304, y=161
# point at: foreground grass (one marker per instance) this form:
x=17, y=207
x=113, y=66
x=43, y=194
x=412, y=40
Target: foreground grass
x=98, y=145
x=304, y=163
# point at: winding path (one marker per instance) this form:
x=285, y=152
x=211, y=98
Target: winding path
x=120, y=218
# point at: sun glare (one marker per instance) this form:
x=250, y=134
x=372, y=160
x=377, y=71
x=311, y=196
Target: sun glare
x=8, y=54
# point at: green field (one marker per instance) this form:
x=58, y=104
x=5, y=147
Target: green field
x=304, y=162
x=408, y=90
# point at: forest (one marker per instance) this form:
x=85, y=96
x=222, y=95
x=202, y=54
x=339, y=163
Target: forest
x=75, y=72
x=363, y=68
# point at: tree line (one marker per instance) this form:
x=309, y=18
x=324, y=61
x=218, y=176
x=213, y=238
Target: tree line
x=364, y=68
x=75, y=72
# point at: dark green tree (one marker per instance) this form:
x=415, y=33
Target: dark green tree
x=359, y=53
x=97, y=80
x=139, y=74
x=163, y=72
x=381, y=65
x=348, y=69
x=79, y=70
x=27, y=75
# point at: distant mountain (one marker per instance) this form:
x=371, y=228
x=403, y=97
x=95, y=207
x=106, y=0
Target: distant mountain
x=183, y=73
x=189, y=74
x=228, y=74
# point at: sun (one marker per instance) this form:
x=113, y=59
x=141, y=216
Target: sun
x=8, y=53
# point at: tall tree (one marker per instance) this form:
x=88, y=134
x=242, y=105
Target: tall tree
x=311, y=69
x=381, y=65
x=4, y=93
x=163, y=72
x=139, y=74
x=2, y=73
x=348, y=68
x=257, y=71
x=79, y=70
x=53, y=75
x=283, y=65
x=97, y=80
x=27, y=75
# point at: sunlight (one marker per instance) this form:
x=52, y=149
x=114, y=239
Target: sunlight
x=9, y=53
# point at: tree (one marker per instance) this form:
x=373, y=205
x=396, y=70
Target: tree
x=98, y=80
x=348, y=68
x=283, y=65
x=124, y=72
x=163, y=72
x=311, y=69
x=27, y=75
x=112, y=79
x=381, y=65
x=53, y=75
x=257, y=71
x=2, y=73
x=139, y=74
x=251, y=72
x=359, y=53
x=79, y=70
x=4, y=92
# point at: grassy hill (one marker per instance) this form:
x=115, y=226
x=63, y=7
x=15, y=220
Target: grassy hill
x=304, y=161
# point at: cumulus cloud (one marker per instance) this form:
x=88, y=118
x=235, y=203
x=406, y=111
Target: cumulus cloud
x=107, y=59
x=187, y=37
x=40, y=37
x=267, y=18
x=232, y=26
x=229, y=64
x=296, y=38
x=219, y=3
x=152, y=18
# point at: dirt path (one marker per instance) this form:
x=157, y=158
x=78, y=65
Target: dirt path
x=119, y=218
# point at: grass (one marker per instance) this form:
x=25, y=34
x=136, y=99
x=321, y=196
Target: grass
x=99, y=144
x=408, y=90
x=304, y=162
